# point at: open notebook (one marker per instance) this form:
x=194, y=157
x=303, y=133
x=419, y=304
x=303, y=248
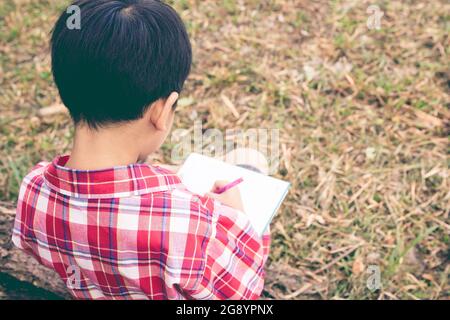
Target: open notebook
x=261, y=195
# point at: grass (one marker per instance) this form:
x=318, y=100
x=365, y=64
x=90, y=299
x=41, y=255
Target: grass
x=364, y=126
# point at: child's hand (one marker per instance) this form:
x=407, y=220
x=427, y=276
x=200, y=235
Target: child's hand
x=231, y=197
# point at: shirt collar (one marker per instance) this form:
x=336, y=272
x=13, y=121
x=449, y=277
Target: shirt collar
x=122, y=181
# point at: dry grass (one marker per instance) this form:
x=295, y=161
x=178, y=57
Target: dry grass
x=363, y=116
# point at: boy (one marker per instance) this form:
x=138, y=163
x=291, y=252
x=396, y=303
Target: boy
x=113, y=228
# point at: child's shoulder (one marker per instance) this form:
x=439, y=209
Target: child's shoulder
x=37, y=170
x=40, y=167
x=34, y=178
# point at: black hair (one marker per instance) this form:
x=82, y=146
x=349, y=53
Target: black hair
x=126, y=55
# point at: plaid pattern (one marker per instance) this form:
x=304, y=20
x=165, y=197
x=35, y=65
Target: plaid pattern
x=135, y=232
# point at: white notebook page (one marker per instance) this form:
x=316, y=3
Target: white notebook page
x=261, y=195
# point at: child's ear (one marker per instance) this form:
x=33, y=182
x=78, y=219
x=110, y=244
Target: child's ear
x=161, y=111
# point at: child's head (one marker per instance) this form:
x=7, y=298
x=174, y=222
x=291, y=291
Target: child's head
x=127, y=63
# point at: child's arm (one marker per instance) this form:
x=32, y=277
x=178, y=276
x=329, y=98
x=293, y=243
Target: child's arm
x=235, y=258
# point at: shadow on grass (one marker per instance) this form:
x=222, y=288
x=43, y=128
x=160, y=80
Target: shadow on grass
x=14, y=289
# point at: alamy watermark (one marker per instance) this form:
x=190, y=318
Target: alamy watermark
x=264, y=142
x=73, y=22
x=373, y=282
x=374, y=20
x=73, y=277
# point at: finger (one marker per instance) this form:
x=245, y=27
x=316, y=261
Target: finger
x=219, y=184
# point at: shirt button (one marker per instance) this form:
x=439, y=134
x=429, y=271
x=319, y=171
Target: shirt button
x=195, y=199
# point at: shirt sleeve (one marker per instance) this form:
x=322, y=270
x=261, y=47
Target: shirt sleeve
x=266, y=242
x=235, y=258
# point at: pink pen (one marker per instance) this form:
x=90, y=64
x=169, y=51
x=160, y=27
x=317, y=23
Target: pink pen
x=229, y=186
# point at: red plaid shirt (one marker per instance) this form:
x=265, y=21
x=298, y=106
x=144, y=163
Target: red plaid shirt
x=135, y=232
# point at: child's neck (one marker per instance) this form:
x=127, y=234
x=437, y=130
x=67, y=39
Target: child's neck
x=105, y=148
